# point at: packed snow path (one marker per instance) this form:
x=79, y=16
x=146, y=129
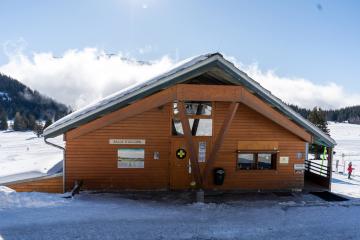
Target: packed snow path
x=110, y=216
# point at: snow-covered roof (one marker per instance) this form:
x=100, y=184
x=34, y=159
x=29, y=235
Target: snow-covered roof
x=172, y=77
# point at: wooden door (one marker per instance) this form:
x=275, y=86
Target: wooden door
x=180, y=166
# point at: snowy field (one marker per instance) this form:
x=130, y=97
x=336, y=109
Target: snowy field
x=23, y=155
x=347, y=137
x=114, y=216
x=111, y=216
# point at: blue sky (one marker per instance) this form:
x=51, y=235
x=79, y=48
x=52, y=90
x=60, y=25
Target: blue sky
x=315, y=40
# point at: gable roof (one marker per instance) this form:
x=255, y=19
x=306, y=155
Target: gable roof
x=182, y=72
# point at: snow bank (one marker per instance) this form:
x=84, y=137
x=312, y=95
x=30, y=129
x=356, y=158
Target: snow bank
x=109, y=216
x=5, y=190
x=23, y=155
x=12, y=199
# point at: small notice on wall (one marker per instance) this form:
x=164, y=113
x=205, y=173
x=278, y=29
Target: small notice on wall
x=299, y=166
x=284, y=160
x=202, y=152
x=131, y=158
x=127, y=141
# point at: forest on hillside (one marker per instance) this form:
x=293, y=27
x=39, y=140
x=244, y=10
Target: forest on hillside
x=347, y=114
x=25, y=106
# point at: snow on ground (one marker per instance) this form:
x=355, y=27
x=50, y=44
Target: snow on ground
x=112, y=216
x=347, y=137
x=9, y=198
x=115, y=216
x=23, y=155
x=342, y=185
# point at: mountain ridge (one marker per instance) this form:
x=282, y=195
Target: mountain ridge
x=16, y=97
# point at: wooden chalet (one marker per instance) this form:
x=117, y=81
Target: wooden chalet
x=171, y=132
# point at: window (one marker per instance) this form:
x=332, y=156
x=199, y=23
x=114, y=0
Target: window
x=257, y=160
x=195, y=108
x=246, y=160
x=265, y=160
x=199, y=115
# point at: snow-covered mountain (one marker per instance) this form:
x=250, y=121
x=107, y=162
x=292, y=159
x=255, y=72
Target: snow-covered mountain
x=17, y=97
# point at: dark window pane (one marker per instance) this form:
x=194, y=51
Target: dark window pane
x=198, y=108
x=246, y=161
x=265, y=161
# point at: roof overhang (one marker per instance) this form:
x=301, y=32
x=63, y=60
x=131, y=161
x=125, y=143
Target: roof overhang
x=182, y=73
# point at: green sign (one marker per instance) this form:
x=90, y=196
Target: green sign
x=181, y=153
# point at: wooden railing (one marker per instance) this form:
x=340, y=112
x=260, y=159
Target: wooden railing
x=318, y=173
x=317, y=168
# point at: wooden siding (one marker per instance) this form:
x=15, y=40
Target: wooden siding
x=196, y=93
x=92, y=159
x=48, y=184
x=249, y=125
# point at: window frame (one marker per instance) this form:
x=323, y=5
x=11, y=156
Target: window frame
x=174, y=116
x=256, y=157
x=142, y=149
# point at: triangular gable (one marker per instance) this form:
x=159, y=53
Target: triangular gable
x=210, y=63
x=190, y=92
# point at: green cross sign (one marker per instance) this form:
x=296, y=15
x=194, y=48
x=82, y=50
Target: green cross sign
x=180, y=153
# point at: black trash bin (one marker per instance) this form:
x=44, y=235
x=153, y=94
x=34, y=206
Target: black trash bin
x=219, y=176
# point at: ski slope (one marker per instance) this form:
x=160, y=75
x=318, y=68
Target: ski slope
x=24, y=155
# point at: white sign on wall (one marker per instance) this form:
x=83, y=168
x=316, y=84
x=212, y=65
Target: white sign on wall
x=299, y=166
x=284, y=160
x=131, y=157
x=127, y=141
x=202, y=152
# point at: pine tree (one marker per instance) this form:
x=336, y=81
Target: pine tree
x=3, y=121
x=31, y=123
x=38, y=129
x=19, y=122
x=318, y=118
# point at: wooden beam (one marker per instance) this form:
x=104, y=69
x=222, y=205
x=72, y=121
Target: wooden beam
x=196, y=120
x=329, y=167
x=148, y=103
x=221, y=93
x=190, y=144
x=220, y=139
x=193, y=92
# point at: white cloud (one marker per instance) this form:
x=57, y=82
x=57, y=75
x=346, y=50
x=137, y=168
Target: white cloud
x=83, y=76
x=302, y=92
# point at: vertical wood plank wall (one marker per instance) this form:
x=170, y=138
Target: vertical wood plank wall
x=92, y=159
